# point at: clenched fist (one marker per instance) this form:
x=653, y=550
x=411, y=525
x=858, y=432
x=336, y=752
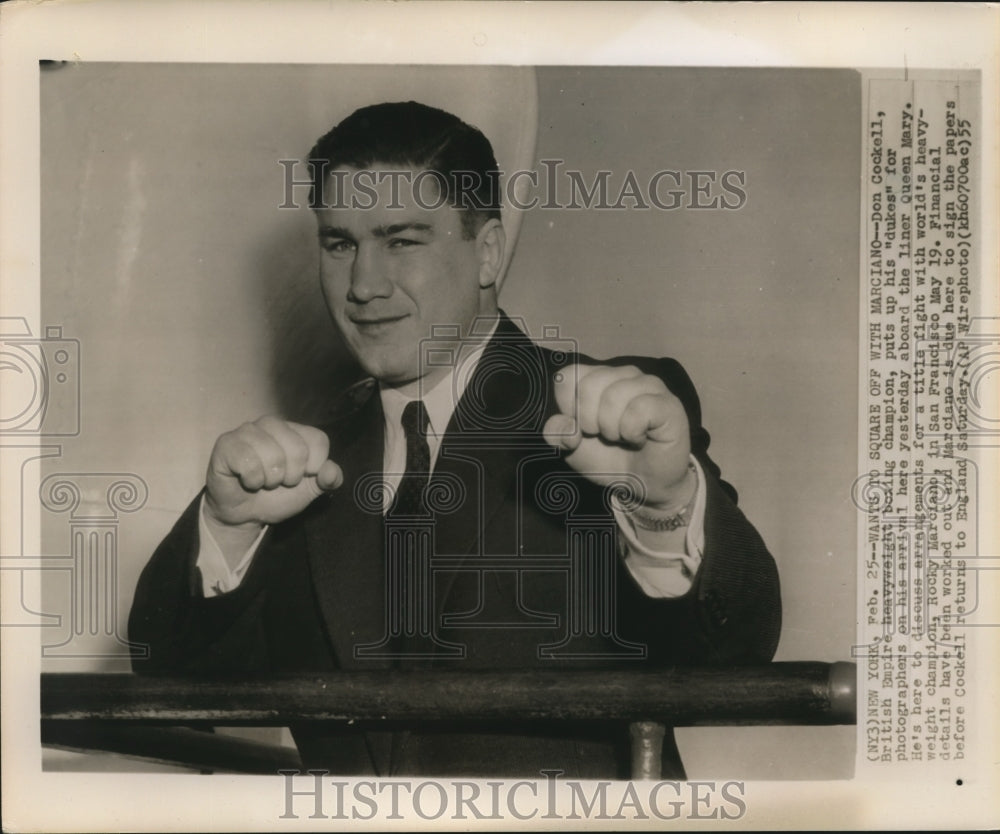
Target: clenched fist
x=267, y=471
x=616, y=421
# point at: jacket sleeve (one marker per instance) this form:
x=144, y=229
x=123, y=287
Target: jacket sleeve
x=732, y=613
x=182, y=631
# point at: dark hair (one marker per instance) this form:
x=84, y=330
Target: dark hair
x=414, y=136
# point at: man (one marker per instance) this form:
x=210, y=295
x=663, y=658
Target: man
x=479, y=501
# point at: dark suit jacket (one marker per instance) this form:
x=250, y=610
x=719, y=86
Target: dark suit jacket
x=316, y=590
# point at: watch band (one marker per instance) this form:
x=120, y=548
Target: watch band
x=645, y=519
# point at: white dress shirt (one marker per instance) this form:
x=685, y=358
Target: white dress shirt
x=658, y=573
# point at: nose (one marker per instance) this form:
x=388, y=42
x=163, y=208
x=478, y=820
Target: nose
x=368, y=278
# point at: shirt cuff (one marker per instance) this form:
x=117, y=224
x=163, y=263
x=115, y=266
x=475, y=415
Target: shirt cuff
x=663, y=573
x=216, y=576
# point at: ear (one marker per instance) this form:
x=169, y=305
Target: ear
x=491, y=243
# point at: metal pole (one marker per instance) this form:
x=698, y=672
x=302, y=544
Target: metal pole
x=647, y=749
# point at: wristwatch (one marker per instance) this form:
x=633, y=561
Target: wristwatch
x=646, y=519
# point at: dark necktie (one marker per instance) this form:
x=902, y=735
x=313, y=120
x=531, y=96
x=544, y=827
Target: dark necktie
x=410, y=494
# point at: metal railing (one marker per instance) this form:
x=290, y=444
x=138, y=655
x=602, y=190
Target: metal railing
x=132, y=714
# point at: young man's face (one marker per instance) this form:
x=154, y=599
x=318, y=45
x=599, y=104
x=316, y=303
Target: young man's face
x=393, y=271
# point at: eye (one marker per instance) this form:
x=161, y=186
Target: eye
x=337, y=246
x=403, y=243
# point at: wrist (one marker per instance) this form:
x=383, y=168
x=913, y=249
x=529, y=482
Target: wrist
x=675, y=498
x=232, y=532
x=674, y=511
x=232, y=540
x=217, y=519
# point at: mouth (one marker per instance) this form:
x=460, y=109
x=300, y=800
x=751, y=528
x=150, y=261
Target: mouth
x=375, y=323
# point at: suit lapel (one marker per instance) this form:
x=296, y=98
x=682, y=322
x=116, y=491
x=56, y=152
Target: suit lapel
x=496, y=426
x=344, y=538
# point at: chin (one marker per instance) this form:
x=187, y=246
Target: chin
x=389, y=372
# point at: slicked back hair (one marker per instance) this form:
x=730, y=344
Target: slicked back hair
x=413, y=136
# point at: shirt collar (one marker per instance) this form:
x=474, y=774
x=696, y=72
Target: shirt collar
x=441, y=400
